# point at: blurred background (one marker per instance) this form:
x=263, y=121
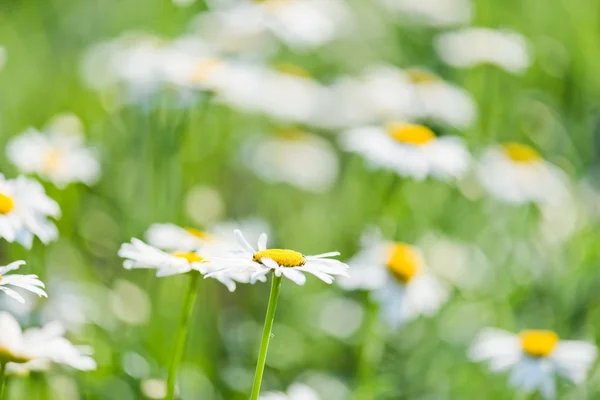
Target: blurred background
x=229, y=114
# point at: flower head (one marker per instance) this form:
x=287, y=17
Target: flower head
x=289, y=263
x=27, y=282
x=534, y=357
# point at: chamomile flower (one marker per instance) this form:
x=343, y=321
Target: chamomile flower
x=58, y=153
x=296, y=391
x=517, y=173
x=36, y=349
x=534, y=358
x=289, y=263
x=409, y=150
x=24, y=211
x=27, y=282
x=398, y=278
x=470, y=47
x=301, y=159
x=441, y=101
x=171, y=237
x=138, y=254
x=438, y=13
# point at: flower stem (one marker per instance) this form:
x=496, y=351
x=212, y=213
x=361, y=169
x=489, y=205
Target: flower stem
x=266, y=335
x=3, y=381
x=181, y=334
x=370, y=353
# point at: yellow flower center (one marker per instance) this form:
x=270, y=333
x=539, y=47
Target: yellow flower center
x=6, y=204
x=521, y=153
x=203, y=69
x=404, y=262
x=52, y=160
x=286, y=258
x=294, y=70
x=538, y=343
x=413, y=134
x=189, y=256
x=199, y=234
x=418, y=76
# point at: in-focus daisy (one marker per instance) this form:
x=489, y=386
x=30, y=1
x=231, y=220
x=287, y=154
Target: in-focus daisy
x=409, y=150
x=517, y=173
x=24, y=211
x=301, y=159
x=282, y=262
x=27, y=282
x=36, y=349
x=441, y=101
x=470, y=47
x=58, y=153
x=534, y=357
x=296, y=391
x=398, y=278
x=438, y=13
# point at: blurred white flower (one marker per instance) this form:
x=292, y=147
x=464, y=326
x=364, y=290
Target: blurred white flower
x=27, y=282
x=36, y=349
x=154, y=388
x=171, y=237
x=409, y=150
x=469, y=47
x=438, y=13
x=516, y=173
x=398, y=278
x=441, y=101
x=534, y=358
x=301, y=159
x=296, y=391
x=24, y=211
x=288, y=263
x=58, y=153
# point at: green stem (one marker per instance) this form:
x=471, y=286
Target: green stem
x=181, y=334
x=266, y=335
x=3, y=381
x=370, y=352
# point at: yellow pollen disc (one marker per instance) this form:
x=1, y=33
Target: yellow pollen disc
x=292, y=134
x=52, y=160
x=294, y=70
x=199, y=234
x=420, y=76
x=189, y=256
x=521, y=153
x=6, y=204
x=403, y=262
x=203, y=69
x=286, y=258
x=410, y=134
x=538, y=343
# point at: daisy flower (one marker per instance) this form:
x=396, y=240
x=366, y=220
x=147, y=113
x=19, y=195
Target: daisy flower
x=24, y=211
x=517, y=173
x=57, y=154
x=398, y=278
x=296, y=391
x=36, y=349
x=409, y=150
x=534, y=357
x=437, y=13
x=27, y=282
x=301, y=159
x=282, y=262
x=171, y=237
x=470, y=47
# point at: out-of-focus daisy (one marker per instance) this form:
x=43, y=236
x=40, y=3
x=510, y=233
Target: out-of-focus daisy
x=36, y=349
x=138, y=254
x=409, y=150
x=469, y=47
x=301, y=159
x=534, y=357
x=441, y=101
x=24, y=211
x=171, y=237
x=27, y=282
x=517, y=173
x=296, y=391
x=398, y=278
x=58, y=153
x=438, y=13
x=288, y=263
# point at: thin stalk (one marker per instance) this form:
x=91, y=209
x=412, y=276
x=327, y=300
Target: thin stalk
x=181, y=333
x=3, y=381
x=266, y=335
x=370, y=353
